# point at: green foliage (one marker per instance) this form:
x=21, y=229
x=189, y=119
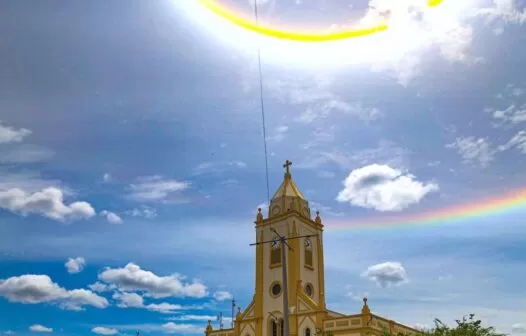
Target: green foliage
x=468, y=326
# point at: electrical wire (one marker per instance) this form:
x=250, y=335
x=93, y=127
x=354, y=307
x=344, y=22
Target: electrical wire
x=256, y=14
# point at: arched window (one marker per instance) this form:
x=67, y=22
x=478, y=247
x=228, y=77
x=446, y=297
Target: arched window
x=307, y=332
x=274, y=328
x=308, y=253
x=275, y=253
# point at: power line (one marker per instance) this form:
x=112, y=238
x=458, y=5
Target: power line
x=262, y=104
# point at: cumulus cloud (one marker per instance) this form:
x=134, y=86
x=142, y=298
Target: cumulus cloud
x=156, y=188
x=111, y=217
x=75, y=265
x=128, y=300
x=40, y=328
x=383, y=188
x=134, y=300
x=223, y=296
x=133, y=278
x=9, y=134
x=48, y=202
x=100, y=287
x=104, y=331
x=34, y=289
x=386, y=274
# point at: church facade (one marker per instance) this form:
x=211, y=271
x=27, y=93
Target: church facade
x=290, y=215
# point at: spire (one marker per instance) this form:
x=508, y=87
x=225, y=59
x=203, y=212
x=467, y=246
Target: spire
x=288, y=197
x=288, y=187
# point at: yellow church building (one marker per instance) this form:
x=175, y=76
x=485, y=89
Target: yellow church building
x=289, y=215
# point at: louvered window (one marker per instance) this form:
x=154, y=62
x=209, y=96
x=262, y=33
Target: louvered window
x=275, y=256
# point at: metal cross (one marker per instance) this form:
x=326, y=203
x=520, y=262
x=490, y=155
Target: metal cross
x=287, y=165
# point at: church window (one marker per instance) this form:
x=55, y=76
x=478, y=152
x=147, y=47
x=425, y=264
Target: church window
x=275, y=289
x=308, y=290
x=308, y=254
x=307, y=332
x=275, y=253
x=281, y=327
x=274, y=327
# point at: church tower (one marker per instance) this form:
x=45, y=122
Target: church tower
x=289, y=215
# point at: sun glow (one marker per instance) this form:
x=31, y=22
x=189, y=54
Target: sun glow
x=412, y=26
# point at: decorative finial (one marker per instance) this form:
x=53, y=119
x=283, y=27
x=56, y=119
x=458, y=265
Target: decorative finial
x=259, y=216
x=209, y=328
x=287, y=167
x=365, y=308
x=239, y=315
x=317, y=220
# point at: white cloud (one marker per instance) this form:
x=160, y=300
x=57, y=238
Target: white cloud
x=100, y=287
x=511, y=115
x=9, y=332
x=40, y=328
x=75, y=265
x=222, y=296
x=128, y=300
x=383, y=188
x=506, y=10
x=111, y=217
x=48, y=202
x=104, y=331
x=164, y=307
x=134, y=300
x=33, y=289
x=473, y=150
x=155, y=188
x=9, y=134
x=518, y=141
x=171, y=327
x=519, y=328
x=386, y=274
x=106, y=177
x=143, y=211
x=133, y=278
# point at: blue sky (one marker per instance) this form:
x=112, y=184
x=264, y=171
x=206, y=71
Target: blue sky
x=131, y=148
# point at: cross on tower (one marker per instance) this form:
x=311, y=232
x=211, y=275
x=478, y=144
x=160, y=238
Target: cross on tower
x=287, y=166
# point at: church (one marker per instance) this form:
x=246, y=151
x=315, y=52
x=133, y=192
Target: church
x=289, y=216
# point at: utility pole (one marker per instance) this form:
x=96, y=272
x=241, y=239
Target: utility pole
x=283, y=242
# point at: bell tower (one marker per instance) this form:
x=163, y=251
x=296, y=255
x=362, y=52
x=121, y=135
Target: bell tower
x=289, y=215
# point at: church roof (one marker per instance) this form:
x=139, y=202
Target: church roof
x=288, y=187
